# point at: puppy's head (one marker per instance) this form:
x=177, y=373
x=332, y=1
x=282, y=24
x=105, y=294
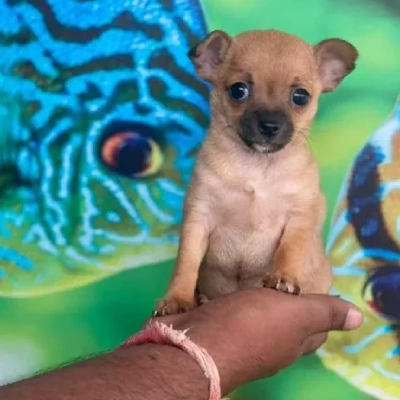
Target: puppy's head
x=267, y=83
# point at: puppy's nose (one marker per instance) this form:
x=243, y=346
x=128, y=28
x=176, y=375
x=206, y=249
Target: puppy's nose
x=268, y=128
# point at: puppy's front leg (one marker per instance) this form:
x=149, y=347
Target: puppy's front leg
x=192, y=248
x=291, y=270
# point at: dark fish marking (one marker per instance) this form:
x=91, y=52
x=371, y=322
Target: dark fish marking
x=364, y=201
x=160, y=92
x=66, y=33
x=28, y=70
x=23, y=37
x=163, y=58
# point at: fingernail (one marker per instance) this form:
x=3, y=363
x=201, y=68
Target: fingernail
x=354, y=319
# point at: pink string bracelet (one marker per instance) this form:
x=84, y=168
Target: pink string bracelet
x=159, y=333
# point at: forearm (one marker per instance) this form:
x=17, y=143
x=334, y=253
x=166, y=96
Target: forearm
x=147, y=372
x=242, y=350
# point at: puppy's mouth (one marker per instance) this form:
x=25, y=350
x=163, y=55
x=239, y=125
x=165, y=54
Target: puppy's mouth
x=263, y=147
x=264, y=130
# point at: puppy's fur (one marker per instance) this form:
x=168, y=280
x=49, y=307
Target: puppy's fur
x=254, y=210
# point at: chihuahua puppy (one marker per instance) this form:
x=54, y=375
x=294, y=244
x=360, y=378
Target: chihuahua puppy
x=254, y=210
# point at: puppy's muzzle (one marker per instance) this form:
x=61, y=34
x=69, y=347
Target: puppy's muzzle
x=266, y=130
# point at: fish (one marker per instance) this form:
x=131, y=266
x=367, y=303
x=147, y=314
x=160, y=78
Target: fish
x=364, y=249
x=101, y=117
x=382, y=292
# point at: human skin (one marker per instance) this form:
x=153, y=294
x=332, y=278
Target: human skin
x=250, y=335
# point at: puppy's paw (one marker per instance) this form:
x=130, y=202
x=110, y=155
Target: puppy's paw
x=202, y=299
x=283, y=283
x=171, y=305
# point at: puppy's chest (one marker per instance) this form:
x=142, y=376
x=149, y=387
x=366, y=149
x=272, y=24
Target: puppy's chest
x=249, y=208
x=248, y=225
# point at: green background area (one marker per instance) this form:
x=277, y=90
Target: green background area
x=52, y=329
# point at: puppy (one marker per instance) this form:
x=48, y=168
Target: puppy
x=254, y=210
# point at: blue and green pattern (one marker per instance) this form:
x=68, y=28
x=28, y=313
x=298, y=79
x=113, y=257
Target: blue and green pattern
x=85, y=88
x=364, y=247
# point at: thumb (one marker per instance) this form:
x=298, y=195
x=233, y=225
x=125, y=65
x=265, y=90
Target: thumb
x=329, y=313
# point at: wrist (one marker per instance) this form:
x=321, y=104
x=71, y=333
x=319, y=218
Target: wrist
x=178, y=375
x=223, y=352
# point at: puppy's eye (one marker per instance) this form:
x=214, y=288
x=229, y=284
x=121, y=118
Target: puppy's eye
x=300, y=97
x=239, y=92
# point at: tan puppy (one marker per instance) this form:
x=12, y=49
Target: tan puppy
x=254, y=210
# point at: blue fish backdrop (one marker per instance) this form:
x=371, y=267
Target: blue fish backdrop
x=102, y=116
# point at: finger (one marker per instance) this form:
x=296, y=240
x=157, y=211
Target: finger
x=314, y=342
x=327, y=313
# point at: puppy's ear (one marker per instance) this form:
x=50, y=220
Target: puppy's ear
x=210, y=53
x=336, y=58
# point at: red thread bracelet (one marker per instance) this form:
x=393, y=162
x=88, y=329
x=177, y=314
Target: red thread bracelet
x=159, y=333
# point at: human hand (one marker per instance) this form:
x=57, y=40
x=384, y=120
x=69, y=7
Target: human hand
x=256, y=333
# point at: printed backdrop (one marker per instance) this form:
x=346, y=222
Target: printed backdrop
x=101, y=116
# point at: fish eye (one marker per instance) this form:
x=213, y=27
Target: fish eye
x=381, y=291
x=371, y=296
x=379, y=299
x=131, y=154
